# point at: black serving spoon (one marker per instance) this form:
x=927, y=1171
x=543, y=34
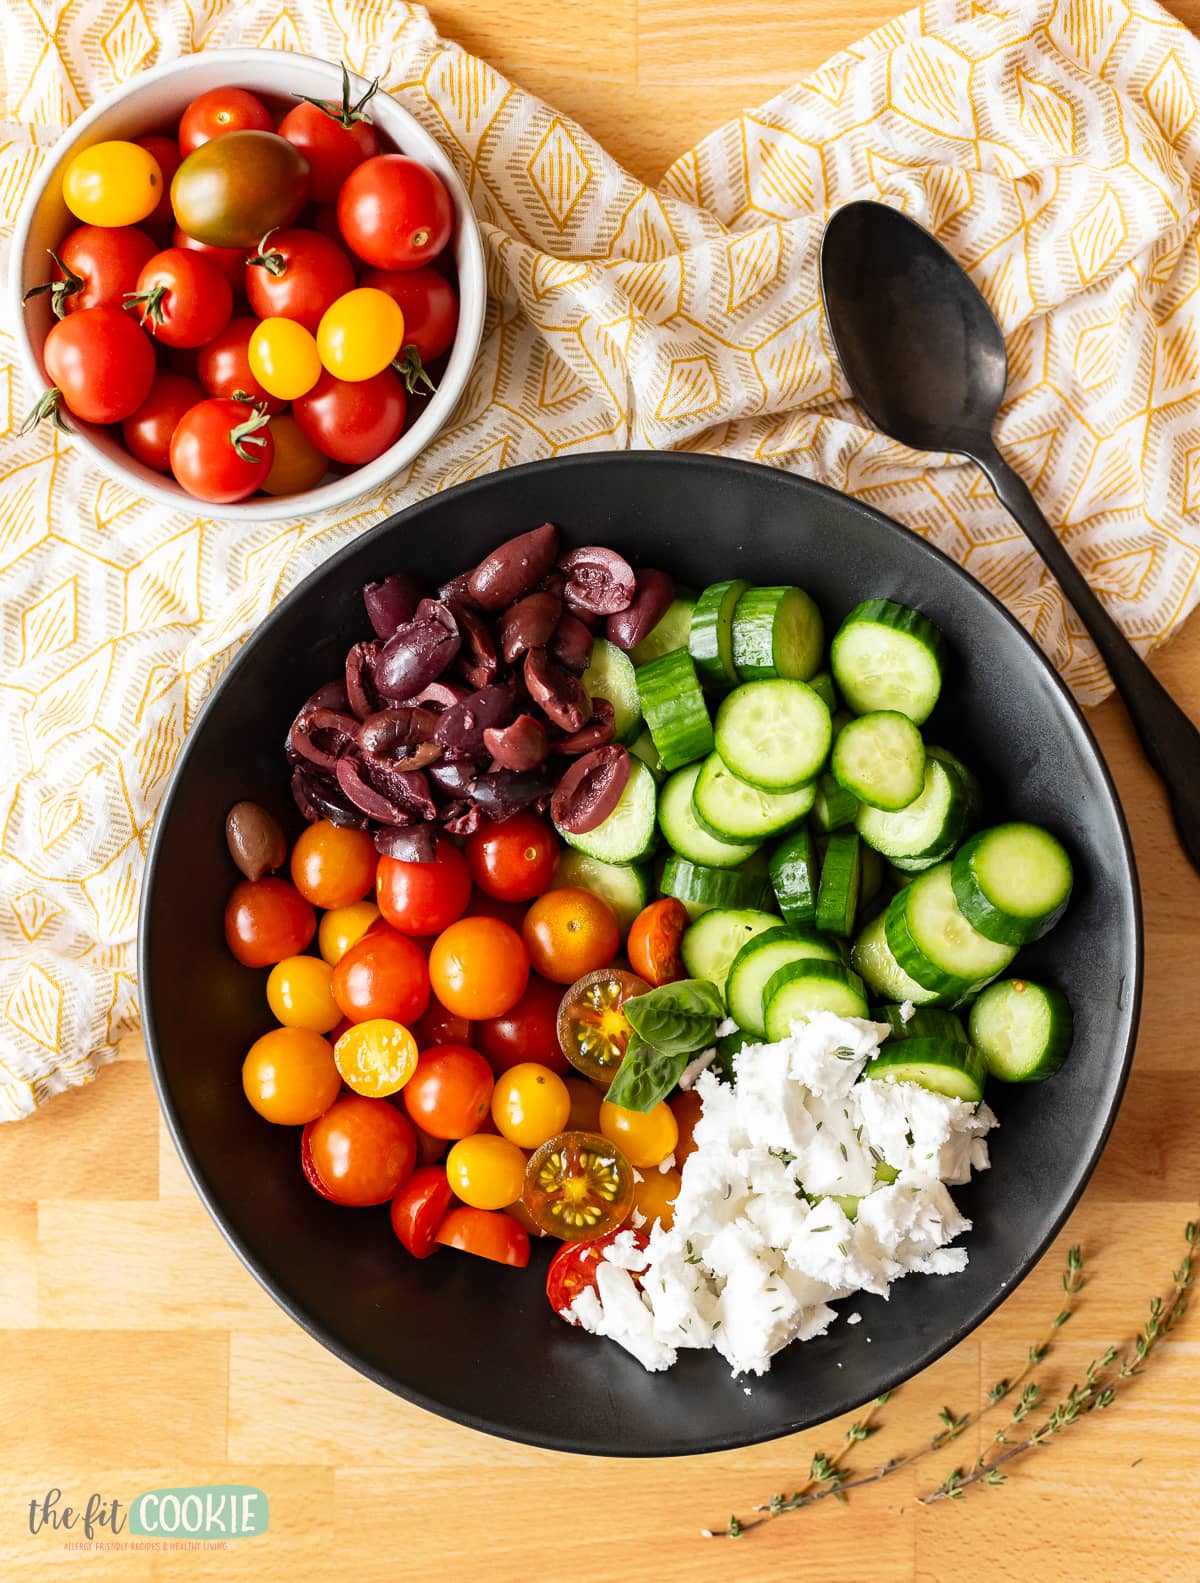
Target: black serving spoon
x=926, y=359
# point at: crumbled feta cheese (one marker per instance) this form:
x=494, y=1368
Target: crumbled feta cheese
x=907, y=1011
x=666, y=1165
x=695, y=1066
x=728, y=1026
x=854, y=1319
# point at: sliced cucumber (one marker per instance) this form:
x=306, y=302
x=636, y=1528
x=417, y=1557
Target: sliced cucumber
x=932, y=825
x=935, y=944
x=774, y=734
x=670, y=633
x=628, y=886
x=777, y=632
x=886, y=656
x=1013, y=882
x=713, y=941
x=822, y=685
x=630, y=832
x=872, y=875
x=880, y=758
x=642, y=747
x=610, y=675
x=924, y=1022
x=1023, y=1030
x=758, y=959
x=837, y=899
x=833, y=807
x=674, y=707
x=711, y=637
x=679, y=824
x=872, y=957
x=794, y=874
x=700, y=888
x=799, y=988
x=944, y=1066
x=730, y=809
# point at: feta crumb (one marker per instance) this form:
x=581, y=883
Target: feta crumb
x=666, y=1165
x=907, y=1011
x=854, y=1319
x=695, y=1066
x=726, y=1027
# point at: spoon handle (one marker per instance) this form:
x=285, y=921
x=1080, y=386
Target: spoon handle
x=1171, y=741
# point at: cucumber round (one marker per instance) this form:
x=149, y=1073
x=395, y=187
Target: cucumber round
x=945, y=1066
x=1012, y=882
x=774, y=734
x=841, y=873
x=886, y=656
x=931, y=826
x=924, y=1022
x=822, y=685
x=777, y=632
x=797, y=989
x=627, y=886
x=1023, y=1030
x=700, y=888
x=630, y=832
x=610, y=675
x=710, y=639
x=685, y=834
x=730, y=809
x=872, y=958
x=935, y=944
x=710, y=945
x=880, y=759
x=833, y=806
x=757, y=960
x=794, y=876
x=670, y=632
x=675, y=710
x=642, y=747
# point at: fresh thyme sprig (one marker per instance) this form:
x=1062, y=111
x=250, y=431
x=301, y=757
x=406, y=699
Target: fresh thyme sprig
x=829, y=1476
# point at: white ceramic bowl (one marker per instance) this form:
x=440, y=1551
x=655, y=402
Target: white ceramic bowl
x=153, y=101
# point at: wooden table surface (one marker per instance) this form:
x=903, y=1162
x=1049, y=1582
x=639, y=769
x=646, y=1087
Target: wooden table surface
x=136, y=1351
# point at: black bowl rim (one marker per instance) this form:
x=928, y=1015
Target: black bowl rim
x=582, y=463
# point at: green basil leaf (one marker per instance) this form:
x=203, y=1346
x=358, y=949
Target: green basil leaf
x=677, y=1019
x=645, y=1076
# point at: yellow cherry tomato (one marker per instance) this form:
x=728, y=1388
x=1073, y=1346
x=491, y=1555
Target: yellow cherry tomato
x=342, y=927
x=299, y=995
x=485, y=1171
x=645, y=1137
x=530, y=1103
x=360, y=333
x=283, y=358
x=297, y=465
x=112, y=183
x=289, y=1076
x=376, y=1058
x=654, y=1196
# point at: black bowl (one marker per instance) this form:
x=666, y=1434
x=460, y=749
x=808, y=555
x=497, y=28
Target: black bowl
x=477, y=1342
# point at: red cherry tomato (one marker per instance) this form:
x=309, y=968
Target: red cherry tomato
x=384, y=975
x=182, y=299
x=362, y=1150
x=484, y=906
x=147, y=434
x=439, y=1026
x=450, y=1093
x=333, y=139
x=266, y=920
x=231, y=261
x=419, y=1208
x=223, y=366
x=222, y=110
x=573, y=1269
x=528, y=1031
x=513, y=861
x=96, y=266
x=165, y=150
x=488, y=1233
x=479, y=967
x=654, y=940
x=424, y=898
x=429, y=303
x=306, y=1164
x=296, y=274
x=394, y=212
x=101, y=362
x=353, y=421
x=221, y=450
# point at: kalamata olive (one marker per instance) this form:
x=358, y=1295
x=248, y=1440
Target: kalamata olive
x=392, y=733
x=590, y=789
x=655, y=591
x=320, y=735
x=462, y=726
x=391, y=602
x=360, y=678
x=478, y=659
x=505, y=792
x=529, y=624
x=571, y=644
x=457, y=588
x=407, y=789
x=557, y=691
x=462, y=818
x=255, y=839
x=320, y=797
x=440, y=695
x=415, y=844
x=364, y=796
x=598, y=732
x=520, y=746
x=418, y=652
x=598, y=580
x=553, y=583
x=451, y=777
x=514, y=567
x=332, y=696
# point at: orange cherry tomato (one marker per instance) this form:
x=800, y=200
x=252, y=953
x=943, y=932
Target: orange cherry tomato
x=578, y=1185
x=449, y=1094
x=685, y=1107
x=362, y=1150
x=569, y=932
x=586, y=1100
x=297, y=465
x=384, y=975
x=266, y=920
x=654, y=1196
x=333, y=866
x=478, y=967
x=485, y=1171
x=344, y=927
x=419, y=1208
x=488, y=1233
x=376, y=1058
x=645, y=1137
x=593, y=1029
x=654, y=938
x=524, y=1219
x=289, y=1076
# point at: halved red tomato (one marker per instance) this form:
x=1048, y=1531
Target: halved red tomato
x=419, y=1208
x=488, y=1233
x=573, y=1269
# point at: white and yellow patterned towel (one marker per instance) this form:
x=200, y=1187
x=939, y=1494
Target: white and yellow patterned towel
x=1053, y=145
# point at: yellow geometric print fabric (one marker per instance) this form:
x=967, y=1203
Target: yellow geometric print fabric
x=1052, y=145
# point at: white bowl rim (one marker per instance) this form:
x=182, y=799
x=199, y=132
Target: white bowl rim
x=407, y=132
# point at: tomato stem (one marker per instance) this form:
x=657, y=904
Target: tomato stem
x=150, y=303
x=59, y=290
x=413, y=371
x=46, y=406
x=273, y=263
x=346, y=113
x=245, y=437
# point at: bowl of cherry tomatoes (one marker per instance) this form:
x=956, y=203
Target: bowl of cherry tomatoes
x=248, y=279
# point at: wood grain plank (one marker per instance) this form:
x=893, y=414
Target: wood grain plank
x=96, y=1142
x=18, y=1265
x=758, y=47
